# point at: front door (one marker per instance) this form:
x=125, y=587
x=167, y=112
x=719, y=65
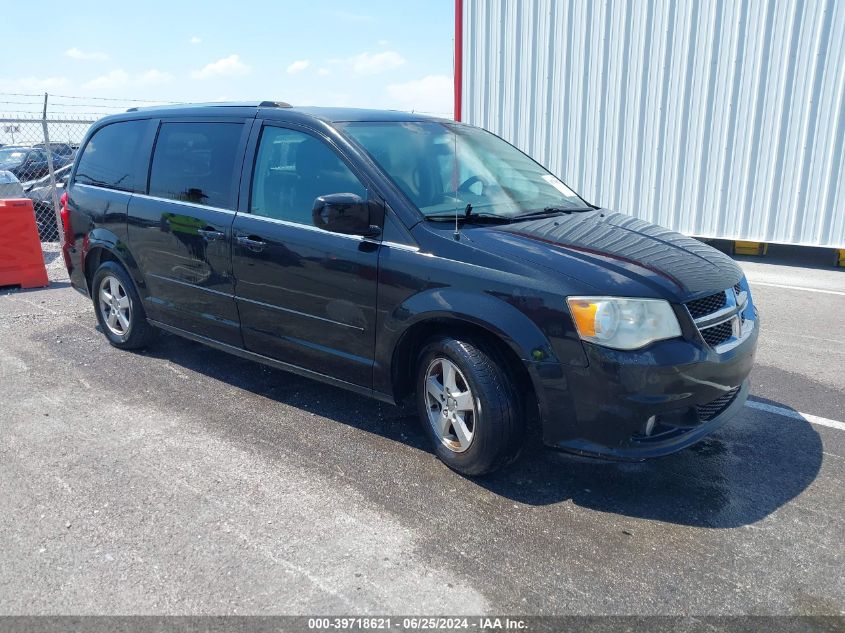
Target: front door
x=305, y=296
x=180, y=230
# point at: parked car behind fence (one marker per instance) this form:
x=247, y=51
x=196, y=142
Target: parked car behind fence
x=26, y=163
x=41, y=193
x=25, y=143
x=10, y=186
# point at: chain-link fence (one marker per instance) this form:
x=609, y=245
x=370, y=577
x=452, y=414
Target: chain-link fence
x=36, y=155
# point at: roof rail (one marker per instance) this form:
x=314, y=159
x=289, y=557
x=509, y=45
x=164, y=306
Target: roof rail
x=262, y=104
x=274, y=104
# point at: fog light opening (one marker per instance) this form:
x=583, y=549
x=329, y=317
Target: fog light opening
x=649, y=425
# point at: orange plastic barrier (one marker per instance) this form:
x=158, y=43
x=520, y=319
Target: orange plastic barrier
x=21, y=261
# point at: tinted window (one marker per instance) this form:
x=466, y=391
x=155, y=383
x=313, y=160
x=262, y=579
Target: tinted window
x=291, y=170
x=443, y=166
x=195, y=162
x=110, y=157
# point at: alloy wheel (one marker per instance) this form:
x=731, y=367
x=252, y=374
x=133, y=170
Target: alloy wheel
x=452, y=410
x=115, y=306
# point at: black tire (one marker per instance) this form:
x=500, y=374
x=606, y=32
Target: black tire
x=138, y=332
x=498, y=424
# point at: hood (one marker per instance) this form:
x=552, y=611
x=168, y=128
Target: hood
x=7, y=178
x=617, y=249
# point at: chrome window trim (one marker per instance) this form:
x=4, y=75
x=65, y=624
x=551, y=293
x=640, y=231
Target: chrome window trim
x=358, y=238
x=194, y=205
x=402, y=247
x=309, y=227
x=158, y=198
x=101, y=188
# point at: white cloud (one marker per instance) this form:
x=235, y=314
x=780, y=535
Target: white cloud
x=34, y=84
x=383, y=42
x=75, y=53
x=230, y=66
x=432, y=94
x=112, y=79
x=195, y=40
x=374, y=63
x=154, y=76
x=119, y=78
x=323, y=72
x=298, y=66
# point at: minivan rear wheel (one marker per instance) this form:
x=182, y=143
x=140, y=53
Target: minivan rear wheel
x=468, y=405
x=118, y=307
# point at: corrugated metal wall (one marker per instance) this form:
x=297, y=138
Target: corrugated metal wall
x=717, y=118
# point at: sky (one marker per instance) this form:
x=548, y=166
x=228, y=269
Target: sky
x=379, y=54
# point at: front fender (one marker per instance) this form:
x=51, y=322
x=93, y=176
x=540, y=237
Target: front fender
x=492, y=314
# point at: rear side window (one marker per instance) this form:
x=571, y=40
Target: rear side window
x=110, y=157
x=195, y=162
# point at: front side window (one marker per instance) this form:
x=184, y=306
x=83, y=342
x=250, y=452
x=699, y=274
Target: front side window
x=195, y=162
x=110, y=157
x=292, y=169
x=442, y=167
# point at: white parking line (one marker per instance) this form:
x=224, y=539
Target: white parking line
x=789, y=413
x=788, y=287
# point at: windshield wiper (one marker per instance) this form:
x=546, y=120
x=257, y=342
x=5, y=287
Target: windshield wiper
x=549, y=211
x=472, y=216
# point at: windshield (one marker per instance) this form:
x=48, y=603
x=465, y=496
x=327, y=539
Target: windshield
x=10, y=157
x=442, y=167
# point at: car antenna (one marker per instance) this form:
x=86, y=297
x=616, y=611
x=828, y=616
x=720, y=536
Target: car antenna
x=455, y=180
x=467, y=213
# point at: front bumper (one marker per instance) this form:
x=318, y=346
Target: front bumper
x=604, y=409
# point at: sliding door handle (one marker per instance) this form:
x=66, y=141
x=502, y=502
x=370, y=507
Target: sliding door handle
x=253, y=244
x=210, y=234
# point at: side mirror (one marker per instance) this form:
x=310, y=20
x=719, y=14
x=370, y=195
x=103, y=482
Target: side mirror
x=345, y=213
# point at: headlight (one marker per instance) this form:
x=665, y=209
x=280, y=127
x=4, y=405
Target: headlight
x=623, y=323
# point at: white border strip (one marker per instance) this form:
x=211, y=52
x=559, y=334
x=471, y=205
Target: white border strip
x=787, y=287
x=795, y=415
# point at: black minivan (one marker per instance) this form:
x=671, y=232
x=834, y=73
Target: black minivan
x=394, y=255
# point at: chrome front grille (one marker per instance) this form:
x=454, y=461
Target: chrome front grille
x=717, y=334
x=707, y=305
x=720, y=318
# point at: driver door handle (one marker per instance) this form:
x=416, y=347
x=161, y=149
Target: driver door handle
x=255, y=245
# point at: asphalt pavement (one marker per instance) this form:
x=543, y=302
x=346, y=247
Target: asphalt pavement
x=181, y=480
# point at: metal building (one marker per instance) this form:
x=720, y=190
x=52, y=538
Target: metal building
x=717, y=118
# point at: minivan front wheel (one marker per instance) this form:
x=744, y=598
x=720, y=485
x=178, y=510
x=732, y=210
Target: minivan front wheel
x=118, y=306
x=468, y=406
